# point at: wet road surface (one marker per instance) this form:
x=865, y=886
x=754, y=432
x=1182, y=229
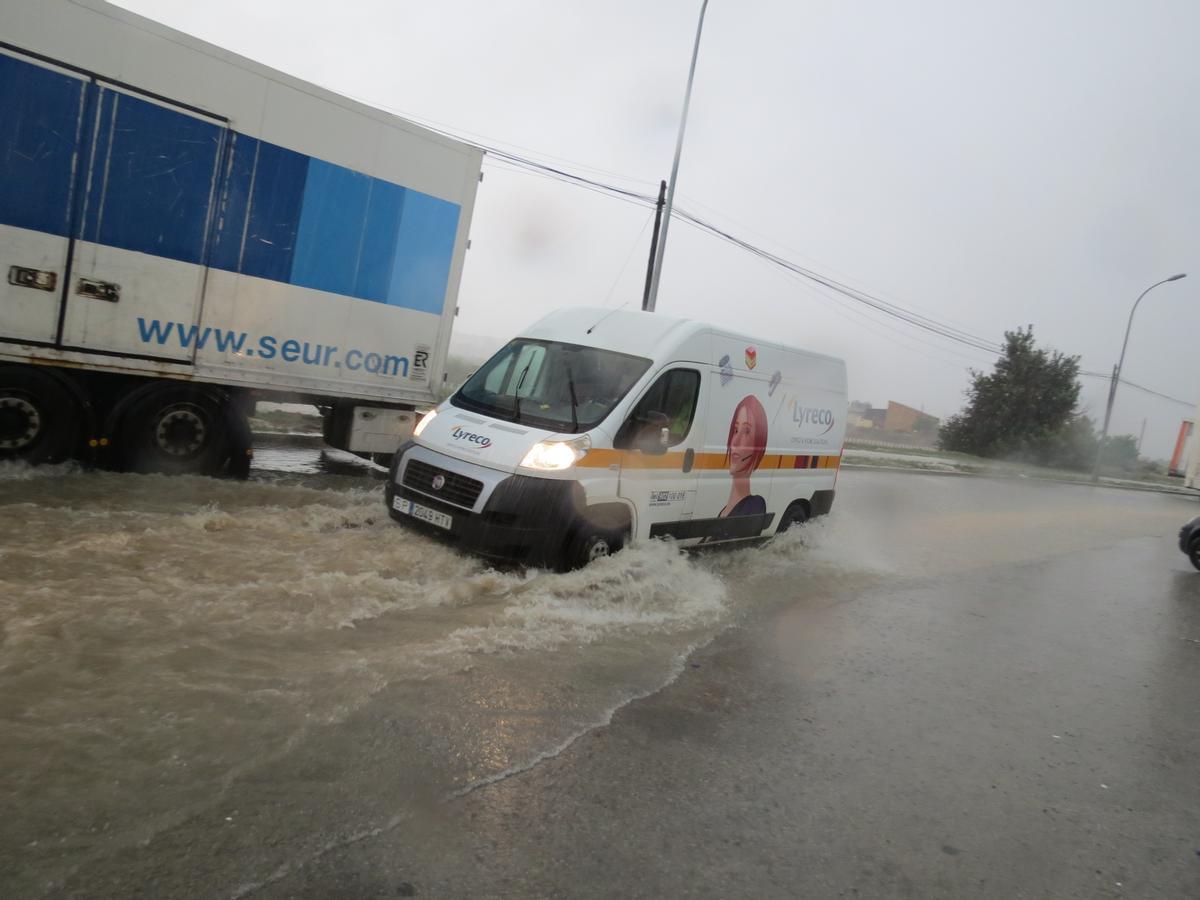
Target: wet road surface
x=951, y=687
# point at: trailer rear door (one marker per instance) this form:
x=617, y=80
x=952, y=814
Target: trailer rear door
x=107, y=205
x=138, y=260
x=43, y=109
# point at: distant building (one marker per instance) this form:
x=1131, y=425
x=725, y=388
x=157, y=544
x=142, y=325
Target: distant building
x=860, y=415
x=899, y=417
x=896, y=417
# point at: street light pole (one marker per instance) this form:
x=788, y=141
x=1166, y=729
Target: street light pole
x=1116, y=376
x=652, y=296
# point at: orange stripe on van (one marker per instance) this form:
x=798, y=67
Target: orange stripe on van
x=603, y=458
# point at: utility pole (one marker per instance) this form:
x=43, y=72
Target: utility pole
x=1116, y=375
x=666, y=221
x=658, y=211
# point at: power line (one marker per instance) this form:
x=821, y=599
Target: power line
x=783, y=248
x=909, y=317
x=536, y=171
x=877, y=303
x=917, y=320
x=1142, y=388
x=526, y=163
x=896, y=311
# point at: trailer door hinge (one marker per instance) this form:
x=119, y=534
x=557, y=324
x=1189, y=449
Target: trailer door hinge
x=38, y=279
x=98, y=290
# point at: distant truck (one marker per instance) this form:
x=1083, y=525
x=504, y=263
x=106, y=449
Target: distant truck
x=1185, y=461
x=184, y=231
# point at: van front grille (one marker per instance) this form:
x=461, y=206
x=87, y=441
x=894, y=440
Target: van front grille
x=457, y=489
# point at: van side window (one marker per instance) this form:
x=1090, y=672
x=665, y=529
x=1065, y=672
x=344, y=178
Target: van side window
x=669, y=403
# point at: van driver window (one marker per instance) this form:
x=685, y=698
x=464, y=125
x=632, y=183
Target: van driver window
x=671, y=403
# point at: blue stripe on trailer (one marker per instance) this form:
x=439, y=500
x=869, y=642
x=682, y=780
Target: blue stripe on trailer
x=146, y=173
x=378, y=253
x=424, y=252
x=40, y=113
x=331, y=228
x=152, y=177
x=272, y=227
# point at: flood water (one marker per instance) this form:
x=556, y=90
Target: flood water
x=183, y=650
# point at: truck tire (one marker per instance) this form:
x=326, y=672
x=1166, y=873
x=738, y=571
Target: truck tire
x=1193, y=551
x=175, y=430
x=241, y=442
x=39, y=419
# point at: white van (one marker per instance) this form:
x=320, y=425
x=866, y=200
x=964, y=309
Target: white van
x=597, y=427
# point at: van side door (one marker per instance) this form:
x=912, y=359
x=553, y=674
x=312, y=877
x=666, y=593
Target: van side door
x=658, y=442
x=735, y=495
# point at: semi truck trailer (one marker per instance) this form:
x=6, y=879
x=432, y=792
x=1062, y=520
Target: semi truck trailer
x=184, y=231
x=1185, y=461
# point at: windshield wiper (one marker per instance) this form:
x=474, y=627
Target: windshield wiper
x=517, y=392
x=574, y=401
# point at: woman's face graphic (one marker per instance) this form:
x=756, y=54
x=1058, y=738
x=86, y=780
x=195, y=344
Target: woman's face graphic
x=741, y=445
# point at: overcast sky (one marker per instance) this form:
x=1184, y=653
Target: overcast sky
x=987, y=164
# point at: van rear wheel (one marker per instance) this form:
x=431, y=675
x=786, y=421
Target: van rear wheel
x=795, y=514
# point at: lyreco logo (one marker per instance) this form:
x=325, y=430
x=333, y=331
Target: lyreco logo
x=461, y=434
x=812, y=415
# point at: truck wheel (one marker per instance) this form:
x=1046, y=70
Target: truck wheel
x=175, y=430
x=39, y=419
x=795, y=514
x=240, y=441
x=1194, y=551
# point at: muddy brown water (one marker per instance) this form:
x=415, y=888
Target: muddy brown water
x=165, y=642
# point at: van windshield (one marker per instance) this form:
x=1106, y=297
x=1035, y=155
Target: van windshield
x=547, y=384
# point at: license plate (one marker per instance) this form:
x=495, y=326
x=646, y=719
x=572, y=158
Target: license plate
x=424, y=513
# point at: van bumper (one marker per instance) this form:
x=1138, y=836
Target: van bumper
x=523, y=520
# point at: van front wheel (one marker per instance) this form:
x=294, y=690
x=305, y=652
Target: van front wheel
x=590, y=544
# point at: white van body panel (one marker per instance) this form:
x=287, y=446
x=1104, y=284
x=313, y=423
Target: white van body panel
x=790, y=407
x=481, y=440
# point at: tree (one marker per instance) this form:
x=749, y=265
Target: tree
x=1024, y=409
x=1121, y=451
x=1072, y=447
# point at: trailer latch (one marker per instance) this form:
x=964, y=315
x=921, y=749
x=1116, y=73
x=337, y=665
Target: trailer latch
x=98, y=290
x=37, y=279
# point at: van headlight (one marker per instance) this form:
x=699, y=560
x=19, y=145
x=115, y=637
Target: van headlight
x=425, y=420
x=554, y=456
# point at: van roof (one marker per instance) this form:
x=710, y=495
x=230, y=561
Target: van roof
x=635, y=332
